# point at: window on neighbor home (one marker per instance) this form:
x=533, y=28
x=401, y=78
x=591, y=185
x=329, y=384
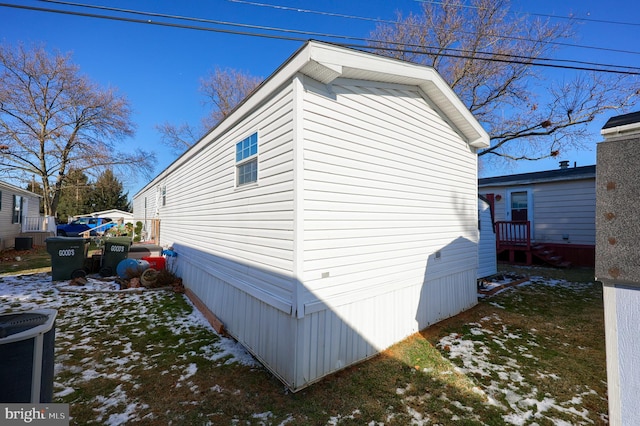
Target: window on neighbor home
x=247, y=160
x=17, y=209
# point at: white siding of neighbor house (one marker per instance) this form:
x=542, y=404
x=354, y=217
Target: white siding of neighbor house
x=31, y=208
x=388, y=183
x=567, y=209
x=487, y=262
x=144, y=209
x=559, y=208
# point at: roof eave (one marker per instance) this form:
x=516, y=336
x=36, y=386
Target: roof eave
x=326, y=62
x=624, y=130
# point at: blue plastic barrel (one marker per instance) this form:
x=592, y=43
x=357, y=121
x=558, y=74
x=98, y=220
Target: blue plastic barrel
x=129, y=268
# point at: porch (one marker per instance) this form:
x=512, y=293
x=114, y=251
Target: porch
x=39, y=228
x=514, y=239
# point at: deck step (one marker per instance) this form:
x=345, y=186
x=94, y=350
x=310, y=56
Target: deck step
x=549, y=255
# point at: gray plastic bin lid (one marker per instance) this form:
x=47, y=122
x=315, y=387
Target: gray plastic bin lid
x=21, y=325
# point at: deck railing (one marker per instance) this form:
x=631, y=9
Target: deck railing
x=515, y=235
x=39, y=224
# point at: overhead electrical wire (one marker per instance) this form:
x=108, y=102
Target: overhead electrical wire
x=616, y=69
x=543, y=15
x=310, y=33
x=201, y=20
x=389, y=22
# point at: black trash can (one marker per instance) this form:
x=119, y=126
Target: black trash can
x=27, y=356
x=116, y=249
x=68, y=256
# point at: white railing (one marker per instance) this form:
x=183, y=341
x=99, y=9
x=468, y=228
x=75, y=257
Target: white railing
x=39, y=224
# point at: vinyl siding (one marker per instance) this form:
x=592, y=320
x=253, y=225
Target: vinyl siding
x=239, y=231
x=487, y=262
x=332, y=338
x=9, y=230
x=388, y=183
x=263, y=328
x=361, y=234
x=565, y=209
x=560, y=208
x=390, y=222
x=144, y=211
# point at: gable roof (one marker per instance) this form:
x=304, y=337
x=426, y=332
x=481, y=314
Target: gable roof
x=113, y=213
x=326, y=62
x=571, y=173
x=17, y=190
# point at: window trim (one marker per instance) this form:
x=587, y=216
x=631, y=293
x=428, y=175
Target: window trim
x=246, y=156
x=16, y=214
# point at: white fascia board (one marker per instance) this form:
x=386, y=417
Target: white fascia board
x=445, y=98
x=625, y=130
x=393, y=70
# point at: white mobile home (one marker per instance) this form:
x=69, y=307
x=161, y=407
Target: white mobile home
x=331, y=214
x=19, y=213
x=557, y=206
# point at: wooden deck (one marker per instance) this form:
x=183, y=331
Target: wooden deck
x=513, y=237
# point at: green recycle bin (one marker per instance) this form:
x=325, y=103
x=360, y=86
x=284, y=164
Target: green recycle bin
x=68, y=255
x=115, y=250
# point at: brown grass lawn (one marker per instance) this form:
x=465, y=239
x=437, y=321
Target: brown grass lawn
x=533, y=354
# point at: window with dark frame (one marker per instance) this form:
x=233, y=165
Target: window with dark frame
x=247, y=160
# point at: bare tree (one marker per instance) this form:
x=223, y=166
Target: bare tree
x=486, y=53
x=223, y=90
x=53, y=119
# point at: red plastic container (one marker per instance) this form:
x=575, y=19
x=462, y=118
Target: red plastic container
x=156, y=263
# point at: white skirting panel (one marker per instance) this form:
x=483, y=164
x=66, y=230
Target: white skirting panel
x=447, y=296
x=340, y=336
x=302, y=351
x=265, y=331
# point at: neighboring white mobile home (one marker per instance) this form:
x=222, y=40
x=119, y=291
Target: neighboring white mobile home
x=559, y=207
x=114, y=214
x=487, y=259
x=332, y=214
x=18, y=207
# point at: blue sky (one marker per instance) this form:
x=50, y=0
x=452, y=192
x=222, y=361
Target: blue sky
x=158, y=68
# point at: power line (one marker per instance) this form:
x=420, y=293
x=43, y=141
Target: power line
x=201, y=20
x=525, y=61
x=316, y=34
x=543, y=15
x=384, y=21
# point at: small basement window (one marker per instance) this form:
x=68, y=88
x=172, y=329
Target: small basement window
x=247, y=160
